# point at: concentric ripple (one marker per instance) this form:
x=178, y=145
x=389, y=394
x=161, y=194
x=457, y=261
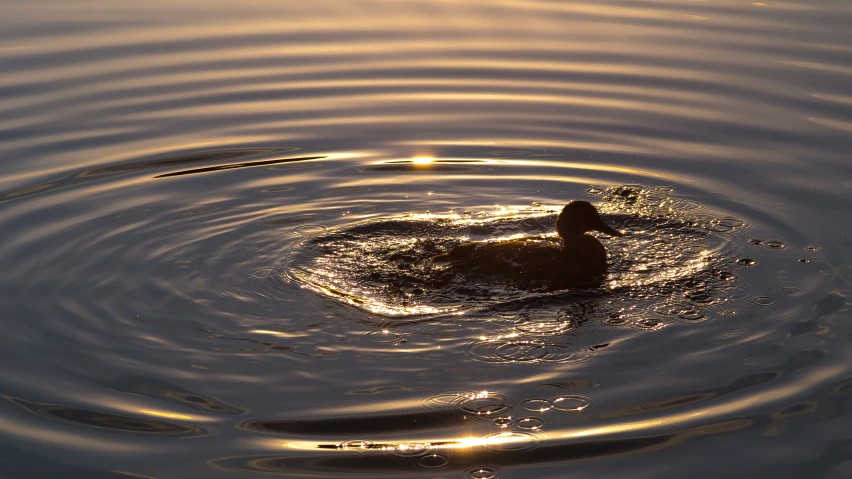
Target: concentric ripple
x=216, y=220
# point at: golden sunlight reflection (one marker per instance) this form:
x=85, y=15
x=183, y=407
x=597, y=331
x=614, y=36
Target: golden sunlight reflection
x=501, y=439
x=279, y=334
x=165, y=414
x=707, y=416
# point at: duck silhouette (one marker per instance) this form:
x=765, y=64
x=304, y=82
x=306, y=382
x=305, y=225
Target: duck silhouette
x=580, y=259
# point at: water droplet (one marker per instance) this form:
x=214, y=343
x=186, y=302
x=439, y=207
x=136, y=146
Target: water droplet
x=756, y=241
x=746, y=262
x=813, y=248
x=538, y=405
x=791, y=291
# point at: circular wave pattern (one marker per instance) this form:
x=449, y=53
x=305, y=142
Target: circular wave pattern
x=169, y=169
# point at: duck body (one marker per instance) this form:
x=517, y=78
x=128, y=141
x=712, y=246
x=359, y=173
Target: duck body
x=577, y=260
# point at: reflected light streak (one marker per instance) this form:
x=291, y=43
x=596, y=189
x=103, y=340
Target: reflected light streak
x=422, y=160
x=501, y=439
x=671, y=422
x=279, y=334
x=164, y=414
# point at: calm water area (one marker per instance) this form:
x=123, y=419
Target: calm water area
x=217, y=224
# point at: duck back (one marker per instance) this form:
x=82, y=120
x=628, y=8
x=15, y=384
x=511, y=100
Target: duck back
x=531, y=259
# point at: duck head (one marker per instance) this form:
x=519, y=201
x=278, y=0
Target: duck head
x=579, y=217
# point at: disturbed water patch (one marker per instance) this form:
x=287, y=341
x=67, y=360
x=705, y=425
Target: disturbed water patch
x=676, y=262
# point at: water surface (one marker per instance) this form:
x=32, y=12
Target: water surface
x=216, y=223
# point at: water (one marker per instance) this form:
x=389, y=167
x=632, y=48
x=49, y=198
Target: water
x=216, y=222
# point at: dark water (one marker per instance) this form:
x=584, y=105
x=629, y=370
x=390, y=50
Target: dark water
x=216, y=221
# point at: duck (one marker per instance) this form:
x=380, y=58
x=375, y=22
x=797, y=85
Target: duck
x=579, y=259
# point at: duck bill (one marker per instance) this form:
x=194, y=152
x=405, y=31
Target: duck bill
x=604, y=228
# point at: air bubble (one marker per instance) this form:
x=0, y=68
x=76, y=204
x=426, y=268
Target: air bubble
x=813, y=248
x=746, y=262
x=775, y=244
x=791, y=291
